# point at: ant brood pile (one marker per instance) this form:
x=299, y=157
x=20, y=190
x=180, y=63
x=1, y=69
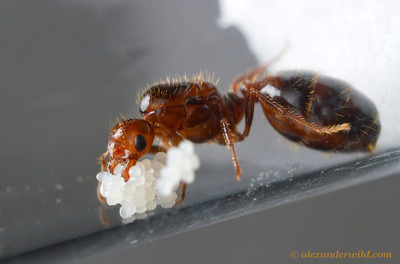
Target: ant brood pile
x=151, y=183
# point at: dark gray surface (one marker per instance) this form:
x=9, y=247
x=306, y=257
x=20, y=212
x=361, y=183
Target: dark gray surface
x=68, y=68
x=265, y=194
x=365, y=217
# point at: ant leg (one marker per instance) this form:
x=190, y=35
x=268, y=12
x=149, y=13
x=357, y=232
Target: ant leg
x=155, y=149
x=248, y=81
x=102, y=161
x=249, y=76
x=254, y=74
x=248, y=116
x=111, y=166
x=227, y=133
x=182, y=195
x=269, y=105
x=99, y=196
x=103, y=216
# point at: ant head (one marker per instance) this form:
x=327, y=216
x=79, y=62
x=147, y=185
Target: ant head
x=130, y=140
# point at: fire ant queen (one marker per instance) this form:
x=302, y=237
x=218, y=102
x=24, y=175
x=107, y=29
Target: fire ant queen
x=318, y=111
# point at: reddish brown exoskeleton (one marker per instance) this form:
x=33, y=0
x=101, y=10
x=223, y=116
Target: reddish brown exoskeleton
x=319, y=111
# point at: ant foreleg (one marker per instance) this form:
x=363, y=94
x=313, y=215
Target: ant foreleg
x=103, y=216
x=155, y=149
x=182, y=195
x=99, y=196
x=102, y=161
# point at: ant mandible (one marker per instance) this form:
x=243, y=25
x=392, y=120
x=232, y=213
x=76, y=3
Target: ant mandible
x=318, y=111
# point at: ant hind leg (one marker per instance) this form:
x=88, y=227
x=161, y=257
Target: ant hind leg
x=273, y=107
x=254, y=74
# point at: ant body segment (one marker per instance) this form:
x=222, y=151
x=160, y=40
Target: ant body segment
x=319, y=111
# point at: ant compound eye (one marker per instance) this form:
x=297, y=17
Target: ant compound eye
x=140, y=142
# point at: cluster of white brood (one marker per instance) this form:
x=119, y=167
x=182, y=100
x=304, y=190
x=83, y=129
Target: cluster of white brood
x=144, y=190
x=181, y=164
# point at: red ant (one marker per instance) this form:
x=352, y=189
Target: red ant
x=319, y=111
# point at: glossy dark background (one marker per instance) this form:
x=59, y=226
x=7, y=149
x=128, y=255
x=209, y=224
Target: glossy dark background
x=68, y=68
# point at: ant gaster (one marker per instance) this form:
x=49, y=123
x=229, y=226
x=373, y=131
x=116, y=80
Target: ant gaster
x=318, y=111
